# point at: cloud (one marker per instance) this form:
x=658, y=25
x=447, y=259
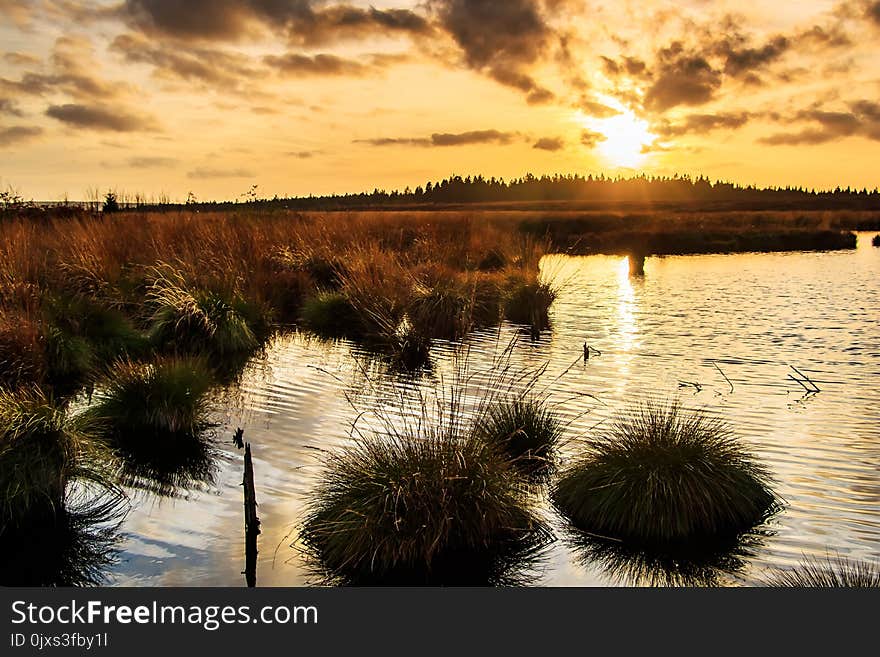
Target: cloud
x=500, y=39
x=446, y=139
x=8, y=107
x=100, y=118
x=549, y=144
x=189, y=63
x=597, y=109
x=704, y=123
x=205, y=173
x=296, y=65
x=682, y=78
x=302, y=155
x=18, y=133
x=872, y=12
x=305, y=22
x=20, y=59
x=863, y=120
x=73, y=73
x=590, y=138
x=151, y=162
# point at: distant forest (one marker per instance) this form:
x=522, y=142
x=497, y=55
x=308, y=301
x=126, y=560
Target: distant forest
x=582, y=192
x=599, y=190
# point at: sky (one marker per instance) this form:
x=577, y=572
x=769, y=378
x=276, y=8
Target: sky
x=299, y=97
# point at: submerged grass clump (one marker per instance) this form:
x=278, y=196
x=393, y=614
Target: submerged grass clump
x=528, y=302
x=831, y=572
x=664, y=477
x=408, y=508
x=42, y=451
x=523, y=428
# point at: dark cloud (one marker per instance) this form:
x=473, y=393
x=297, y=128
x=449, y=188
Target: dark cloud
x=73, y=73
x=18, y=133
x=863, y=120
x=8, y=107
x=294, y=64
x=741, y=59
x=100, y=118
x=303, y=155
x=703, y=123
x=682, y=77
x=631, y=66
x=206, y=173
x=597, y=109
x=302, y=21
x=446, y=139
x=591, y=138
x=189, y=63
x=472, y=137
x=151, y=162
x=549, y=144
x=872, y=12
x=500, y=39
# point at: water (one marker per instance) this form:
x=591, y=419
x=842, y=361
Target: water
x=690, y=320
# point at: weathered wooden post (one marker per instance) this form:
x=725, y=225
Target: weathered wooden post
x=251, y=521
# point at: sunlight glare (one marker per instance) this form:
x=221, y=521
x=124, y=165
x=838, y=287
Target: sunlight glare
x=626, y=137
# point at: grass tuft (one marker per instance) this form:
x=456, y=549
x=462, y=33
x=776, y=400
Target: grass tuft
x=331, y=314
x=417, y=509
x=199, y=321
x=528, y=302
x=664, y=477
x=42, y=451
x=831, y=572
x=523, y=428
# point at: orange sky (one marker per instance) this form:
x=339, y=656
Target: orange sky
x=311, y=96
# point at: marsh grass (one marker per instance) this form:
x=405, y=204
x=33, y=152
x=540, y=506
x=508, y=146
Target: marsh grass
x=73, y=547
x=42, y=451
x=830, y=572
x=418, y=497
x=524, y=428
x=664, y=477
x=331, y=314
x=419, y=509
x=876, y=240
x=198, y=321
x=528, y=302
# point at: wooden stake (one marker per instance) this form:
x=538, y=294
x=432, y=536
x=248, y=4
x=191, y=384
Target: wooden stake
x=251, y=521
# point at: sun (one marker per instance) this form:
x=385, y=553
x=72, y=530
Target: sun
x=624, y=137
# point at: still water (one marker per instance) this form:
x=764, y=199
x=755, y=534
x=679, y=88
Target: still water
x=719, y=332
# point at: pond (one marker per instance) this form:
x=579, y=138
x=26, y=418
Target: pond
x=740, y=336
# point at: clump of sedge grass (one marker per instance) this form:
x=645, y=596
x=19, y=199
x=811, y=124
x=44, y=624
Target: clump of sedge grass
x=155, y=416
x=331, y=314
x=831, y=572
x=528, y=302
x=198, y=321
x=441, y=311
x=876, y=240
x=410, y=508
x=160, y=399
x=42, y=451
x=664, y=477
x=524, y=428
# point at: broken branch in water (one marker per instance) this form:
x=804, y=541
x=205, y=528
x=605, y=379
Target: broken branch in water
x=691, y=384
x=729, y=382
x=803, y=380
